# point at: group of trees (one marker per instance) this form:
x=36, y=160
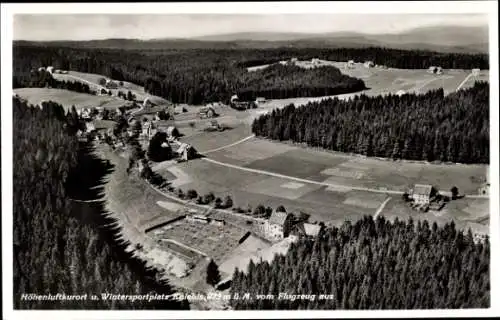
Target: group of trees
x=206, y=75
x=126, y=96
x=373, y=264
x=44, y=79
x=428, y=126
x=285, y=81
x=58, y=248
x=394, y=58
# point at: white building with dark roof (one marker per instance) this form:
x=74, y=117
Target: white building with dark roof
x=422, y=193
x=276, y=227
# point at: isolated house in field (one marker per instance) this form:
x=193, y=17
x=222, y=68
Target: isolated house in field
x=435, y=70
x=234, y=98
x=485, y=187
x=475, y=72
x=350, y=64
x=278, y=225
x=294, y=60
x=315, y=61
x=110, y=84
x=422, y=193
x=369, y=64
x=207, y=112
x=260, y=100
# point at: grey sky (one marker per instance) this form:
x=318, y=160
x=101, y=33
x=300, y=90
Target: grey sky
x=147, y=26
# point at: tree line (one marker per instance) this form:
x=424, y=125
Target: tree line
x=44, y=79
x=428, y=126
x=373, y=264
x=393, y=58
x=61, y=246
x=199, y=76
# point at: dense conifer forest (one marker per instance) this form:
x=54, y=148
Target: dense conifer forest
x=428, y=126
x=60, y=245
x=206, y=75
x=373, y=264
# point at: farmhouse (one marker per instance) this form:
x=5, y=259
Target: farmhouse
x=260, y=100
x=485, y=187
x=400, y=92
x=50, y=69
x=315, y=61
x=435, y=70
x=277, y=227
x=183, y=150
x=422, y=193
x=350, y=64
x=369, y=64
x=110, y=84
x=475, y=72
x=207, y=112
x=41, y=69
x=172, y=132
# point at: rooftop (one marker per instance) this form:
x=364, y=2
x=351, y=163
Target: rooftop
x=422, y=189
x=278, y=217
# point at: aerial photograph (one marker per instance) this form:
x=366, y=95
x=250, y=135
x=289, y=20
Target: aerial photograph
x=250, y=161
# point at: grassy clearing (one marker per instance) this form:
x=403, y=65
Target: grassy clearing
x=212, y=140
x=131, y=196
x=250, y=151
x=298, y=163
x=68, y=98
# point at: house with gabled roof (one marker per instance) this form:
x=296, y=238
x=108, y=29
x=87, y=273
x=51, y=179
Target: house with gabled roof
x=422, y=193
x=278, y=225
x=308, y=229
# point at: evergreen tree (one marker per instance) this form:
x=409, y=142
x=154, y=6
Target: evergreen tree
x=213, y=275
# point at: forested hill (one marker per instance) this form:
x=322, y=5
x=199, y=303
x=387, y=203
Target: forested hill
x=58, y=248
x=373, y=264
x=204, y=75
x=428, y=126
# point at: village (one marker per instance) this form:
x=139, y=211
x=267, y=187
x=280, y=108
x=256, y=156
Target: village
x=196, y=228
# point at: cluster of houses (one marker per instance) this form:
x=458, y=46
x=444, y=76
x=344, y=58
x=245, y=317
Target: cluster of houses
x=51, y=70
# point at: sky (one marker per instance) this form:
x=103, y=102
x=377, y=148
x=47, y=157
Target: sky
x=45, y=27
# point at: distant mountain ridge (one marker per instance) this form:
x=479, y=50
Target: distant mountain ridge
x=458, y=39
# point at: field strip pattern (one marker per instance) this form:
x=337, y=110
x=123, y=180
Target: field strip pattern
x=299, y=179
x=229, y=145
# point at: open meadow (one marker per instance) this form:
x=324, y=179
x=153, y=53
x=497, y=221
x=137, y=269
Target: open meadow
x=68, y=99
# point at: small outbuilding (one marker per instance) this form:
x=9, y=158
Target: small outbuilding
x=369, y=64
x=476, y=72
